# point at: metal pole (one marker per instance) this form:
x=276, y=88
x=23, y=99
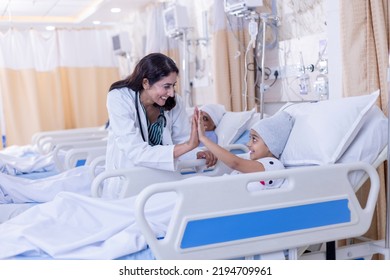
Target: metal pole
x=264, y=18
x=185, y=78
x=387, y=239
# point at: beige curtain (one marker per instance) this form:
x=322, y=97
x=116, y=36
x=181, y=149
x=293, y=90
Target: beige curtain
x=365, y=36
x=60, y=99
x=55, y=80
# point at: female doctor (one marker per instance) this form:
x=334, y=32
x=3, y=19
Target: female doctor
x=148, y=121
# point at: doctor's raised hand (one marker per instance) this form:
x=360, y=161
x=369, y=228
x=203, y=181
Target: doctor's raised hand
x=148, y=121
x=210, y=158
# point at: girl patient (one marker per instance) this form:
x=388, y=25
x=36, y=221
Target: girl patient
x=267, y=140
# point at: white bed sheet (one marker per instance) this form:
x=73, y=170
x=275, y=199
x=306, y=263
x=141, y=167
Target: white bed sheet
x=14, y=189
x=72, y=226
x=25, y=159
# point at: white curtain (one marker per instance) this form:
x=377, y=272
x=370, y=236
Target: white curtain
x=67, y=71
x=43, y=51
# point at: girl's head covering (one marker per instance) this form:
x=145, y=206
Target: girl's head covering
x=275, y=131
x=215, y=111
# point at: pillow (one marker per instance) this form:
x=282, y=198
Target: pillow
x=368, y=143
x=232, y=125
x=323, y=130
x=243, y=138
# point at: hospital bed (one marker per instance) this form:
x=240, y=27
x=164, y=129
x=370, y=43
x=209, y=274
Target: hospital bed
x=330, y=187
x=327, y=208
x=48, y=153
x=46, y=140
x=217, y=218
x=322, y=196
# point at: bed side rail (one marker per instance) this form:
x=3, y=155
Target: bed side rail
x=47, y=144
x=82, y=156
x=63, y=132
x=217, y=218
x=71, y=154
x=136, y=179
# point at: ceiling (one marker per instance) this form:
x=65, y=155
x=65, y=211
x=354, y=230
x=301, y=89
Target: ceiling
x=65, y=13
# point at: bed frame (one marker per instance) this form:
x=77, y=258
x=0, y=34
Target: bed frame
x=47, y=141
x=72, y=154
x=136, y=179
x=246, y=224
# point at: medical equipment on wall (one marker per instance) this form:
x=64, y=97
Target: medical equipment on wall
x=121, y=46
x=241, y=7
x=247, y=9
x=304, y=78
x=175, y=20
x=321, y=84
x=176, y=26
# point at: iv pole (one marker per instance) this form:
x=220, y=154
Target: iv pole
x=264, y=17
x=387, y=237
x=185, y=75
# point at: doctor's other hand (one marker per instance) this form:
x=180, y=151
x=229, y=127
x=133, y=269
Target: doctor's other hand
x=210, y=158
x=194, y=139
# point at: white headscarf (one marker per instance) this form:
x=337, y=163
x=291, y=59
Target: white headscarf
x=275, y=131
x=215, y=111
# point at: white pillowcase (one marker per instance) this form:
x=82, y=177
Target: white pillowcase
x=323, y=130
x=232, y=125
x=368, y=143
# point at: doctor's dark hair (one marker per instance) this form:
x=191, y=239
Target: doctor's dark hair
x=154, y=67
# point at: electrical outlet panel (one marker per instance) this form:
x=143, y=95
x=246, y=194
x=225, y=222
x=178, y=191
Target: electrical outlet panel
x=284, y=72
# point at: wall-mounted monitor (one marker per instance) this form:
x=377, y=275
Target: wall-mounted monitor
x=238, y=6
x=175, y=20
x=121, y=43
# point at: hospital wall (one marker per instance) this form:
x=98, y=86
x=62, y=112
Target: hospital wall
x=303, y=28
x=308, y=32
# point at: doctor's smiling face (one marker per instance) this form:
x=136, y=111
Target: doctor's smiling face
x=159, y=92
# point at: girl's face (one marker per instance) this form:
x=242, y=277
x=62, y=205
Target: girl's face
x=160, y=91
x=208, y=122
x=257, y=148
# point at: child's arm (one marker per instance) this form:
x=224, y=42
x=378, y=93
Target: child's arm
x=231, y=160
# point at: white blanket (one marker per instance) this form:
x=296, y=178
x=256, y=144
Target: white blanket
x=24, y=159
x=21, y=190
x=73, y=226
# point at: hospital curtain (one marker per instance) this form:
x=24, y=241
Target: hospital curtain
x=54, y=80
x=230, y=39
x=365, y=37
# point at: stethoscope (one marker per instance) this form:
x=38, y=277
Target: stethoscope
x=139, y=118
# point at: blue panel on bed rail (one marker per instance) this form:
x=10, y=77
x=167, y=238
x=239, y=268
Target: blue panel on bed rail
x=81, y=162
x=261, y=223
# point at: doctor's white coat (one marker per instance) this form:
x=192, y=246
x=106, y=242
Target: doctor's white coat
x=126, y=147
